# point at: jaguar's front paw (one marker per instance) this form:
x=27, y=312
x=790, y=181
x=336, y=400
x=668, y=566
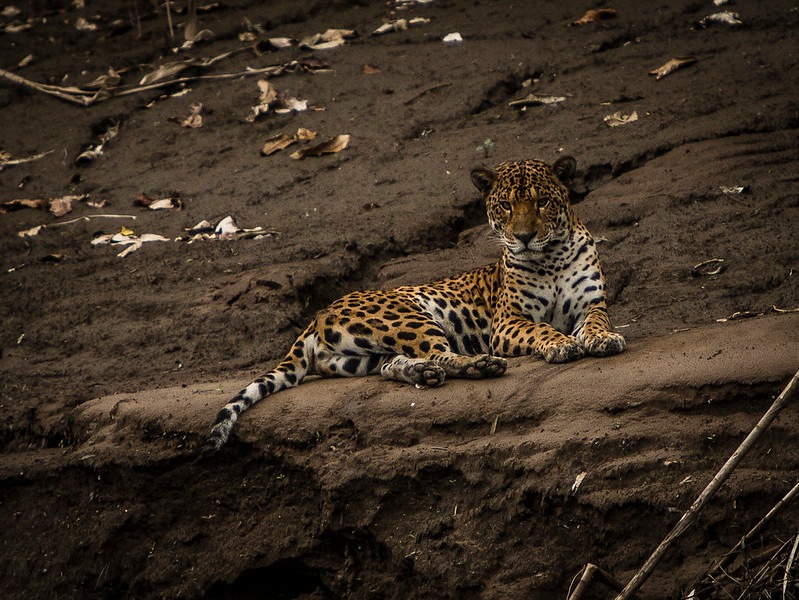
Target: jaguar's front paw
x=605, y=343
x=565, y=349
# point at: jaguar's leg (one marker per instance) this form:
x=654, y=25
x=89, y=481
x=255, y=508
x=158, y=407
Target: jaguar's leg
x=469, y=367
x=421, y=372
x=518, y=336
x=596, y=335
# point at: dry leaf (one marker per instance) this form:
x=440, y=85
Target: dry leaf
x=277, y=143
x=93, y=152
x=292, y=104
x=399, y=25
x=396, y=25
x=170, y=203
x=734, y=190
x=61, y=206
x=331, y=38
x=280, y=42
x=10, y=205
x=195, y=119
x=166, y=71
x=578, y=481
x=305, y=135
x=672, y=65
x=89, y=155
x=536, y=100
x=368, y=69
x=110, y=79
x=226, y=228
x=83, y=25
x=283, y=140
x=337, y=34
x=726, y=18
x=17, y=27
x=268, y=91
x=332, y=146
x=31, y=232
x=617, y=118
x=594, y=15
x=134, y=243
x=267, y=95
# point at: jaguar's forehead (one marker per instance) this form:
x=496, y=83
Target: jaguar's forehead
x=527, y=174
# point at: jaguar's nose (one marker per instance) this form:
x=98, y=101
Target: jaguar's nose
x=524, y=238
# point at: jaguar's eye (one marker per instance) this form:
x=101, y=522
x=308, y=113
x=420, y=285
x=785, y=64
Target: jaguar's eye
x=505, y=205
x=542, y=202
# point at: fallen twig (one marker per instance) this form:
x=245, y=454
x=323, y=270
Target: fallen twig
x=84, y=97
x=70, y=94
x=35, y=230
x=789, y=566
x=432, y=88
x=589, y=573
x=6, y=160
x=690, y=516
x=730, y=556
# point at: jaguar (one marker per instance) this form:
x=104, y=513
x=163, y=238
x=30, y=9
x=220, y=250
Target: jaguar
x=544, y=297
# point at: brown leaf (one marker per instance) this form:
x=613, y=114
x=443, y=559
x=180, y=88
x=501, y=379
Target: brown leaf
x=268, y=91
x=672, y=65
x=311, y=64
x=277, y=143
x=593, y=15
x=304, y=135
x=368, y=69
x=61, y=206
x=165, y=71
x=617, y=118
x=10, y=205
x=332, y=146
x=153, y=203
x=195, y=118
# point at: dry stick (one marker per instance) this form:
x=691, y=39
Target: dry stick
x=730, y=556
x=87, y=98
x=432, y=88
x=168, y=5
x=590, y=572
x=74, y=95
x=691, y=514
x=789, y=565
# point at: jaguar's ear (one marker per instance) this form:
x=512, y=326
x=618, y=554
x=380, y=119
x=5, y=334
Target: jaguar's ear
x=483, y=179
x=565, y=168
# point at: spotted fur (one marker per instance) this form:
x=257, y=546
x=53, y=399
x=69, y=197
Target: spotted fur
x=544, y=297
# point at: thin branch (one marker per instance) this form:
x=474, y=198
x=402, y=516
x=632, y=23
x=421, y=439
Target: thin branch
x=589, y=573
x=692, y=513
x=730, y=556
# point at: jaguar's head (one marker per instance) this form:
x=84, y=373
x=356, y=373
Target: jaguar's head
x=528, y=202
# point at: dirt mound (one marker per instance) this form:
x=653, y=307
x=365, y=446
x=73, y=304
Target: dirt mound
x=112, y=368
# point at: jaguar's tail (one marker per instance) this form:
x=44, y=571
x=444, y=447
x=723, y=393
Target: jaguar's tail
x=289, y=373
